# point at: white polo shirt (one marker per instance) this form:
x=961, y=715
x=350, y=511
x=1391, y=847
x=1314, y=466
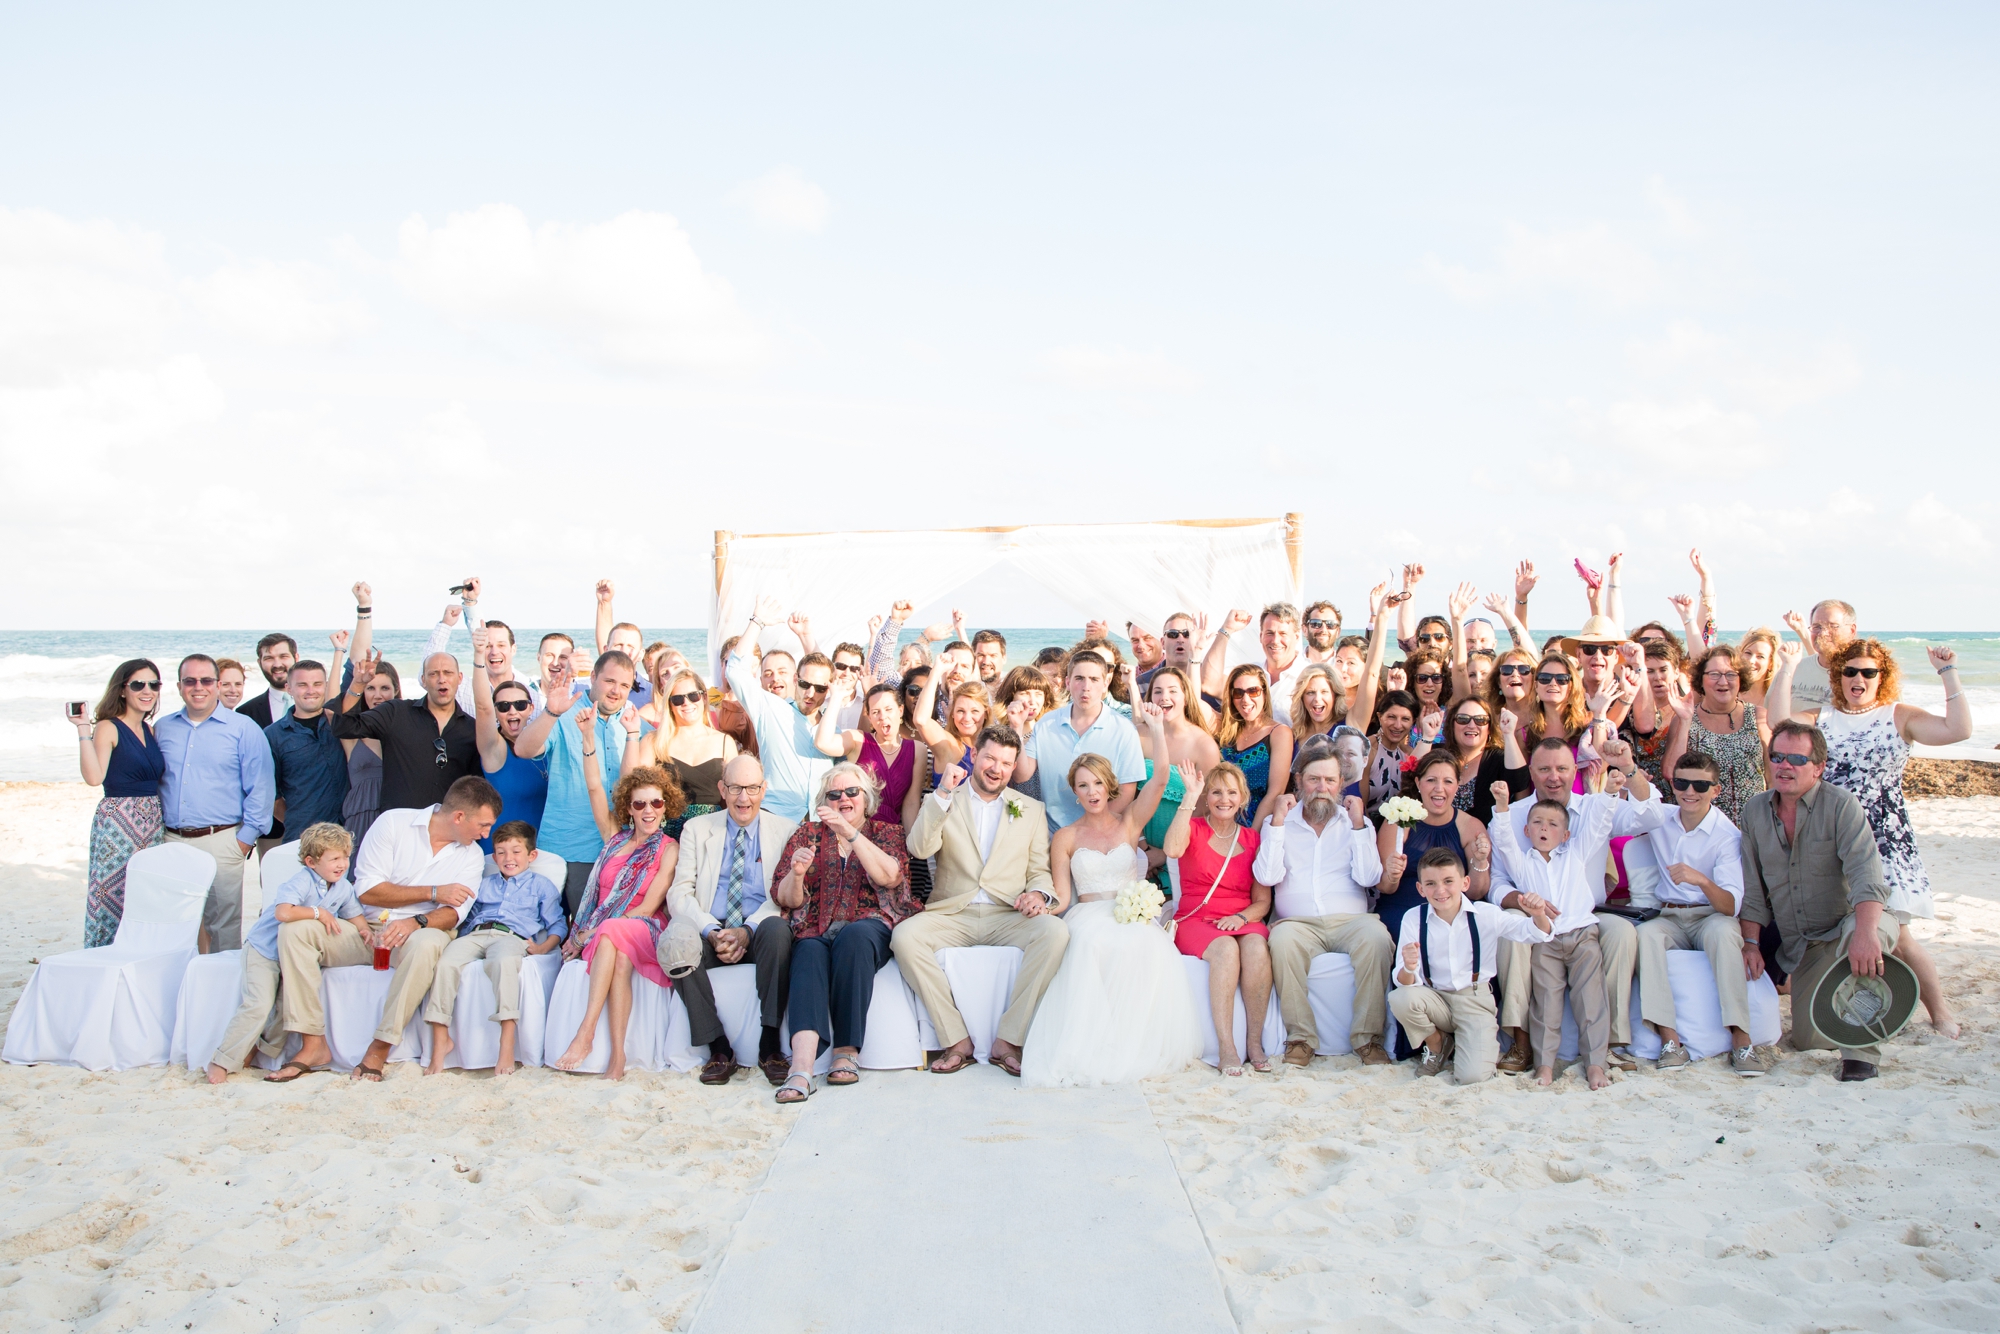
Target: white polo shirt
x=397, y=851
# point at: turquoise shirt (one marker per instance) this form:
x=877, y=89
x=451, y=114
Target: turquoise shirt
x=568, y=829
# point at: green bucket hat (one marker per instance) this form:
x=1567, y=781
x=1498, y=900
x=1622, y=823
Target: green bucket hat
x=1851, y=1011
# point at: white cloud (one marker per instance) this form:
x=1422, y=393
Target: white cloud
x=783, y=200
x=1118, y=370
x=1593, y=262
x=287, y=304
x=1934, y=529
x=1674, y=212
x=77, y=295
x=632, y=290
x=1695, y=430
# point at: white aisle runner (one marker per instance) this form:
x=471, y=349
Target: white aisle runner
x=946, y=1204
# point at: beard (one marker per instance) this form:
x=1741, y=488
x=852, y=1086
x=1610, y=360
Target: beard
x=1319, y=810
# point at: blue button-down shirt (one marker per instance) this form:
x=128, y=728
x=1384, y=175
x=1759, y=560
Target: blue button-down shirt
x=218, y=772
x=308, y=768
x=304, y=890
x=529, y=904
x=1055, y=744
x=753, y=869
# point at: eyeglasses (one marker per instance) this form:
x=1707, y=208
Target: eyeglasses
x=142, y=685
x=1315, y=623
x=741, y=789
x=1731, y=676
x=1246, y=692
x=1515, y=669
x=197, y=681
x=847, y=669
x=691, y=697
x=1185, y=634
x=1552, y=678
x=1792, y=758
x=512, y=705
x=1597, y=650
x=649, y=803
x=1696, y=785
x=1428, y=678
x=442, y=758
x=1865, y=673
x=1470, y=720
x=842, y=793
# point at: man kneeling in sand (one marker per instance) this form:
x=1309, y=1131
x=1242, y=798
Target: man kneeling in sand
x=992, y=888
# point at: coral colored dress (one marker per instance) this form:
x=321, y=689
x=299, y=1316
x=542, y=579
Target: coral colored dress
x=1198, y=867
x=637, y=938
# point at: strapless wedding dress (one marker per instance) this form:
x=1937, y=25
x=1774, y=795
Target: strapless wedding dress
x=1119, y=1008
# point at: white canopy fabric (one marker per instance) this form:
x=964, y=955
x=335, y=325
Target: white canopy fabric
x=1144, y=572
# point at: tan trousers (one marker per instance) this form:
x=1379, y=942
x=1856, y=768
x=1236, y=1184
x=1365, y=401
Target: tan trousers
x=253, y=1016
x=1041, y=940
x=305, y=947
x=1715, y=934
x=1297, y=941
x=502, y=951
x=222, y=913
x=1572, y=962
x=1820, y=956
x=1619, y=940
x=1467, y=1015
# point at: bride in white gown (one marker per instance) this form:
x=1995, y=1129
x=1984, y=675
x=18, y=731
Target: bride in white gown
x=1119, y=1008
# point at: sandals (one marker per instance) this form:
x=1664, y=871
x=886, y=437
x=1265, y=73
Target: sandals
x=1011, y=1064
x=371, y=1073
x=800, y=1087
x=846, y=1070
x=279, y=1076
x=963, y=1059
x=1261, y=1064
x=1233, y=1071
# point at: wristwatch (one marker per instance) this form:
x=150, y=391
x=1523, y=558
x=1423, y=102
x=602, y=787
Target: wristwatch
x=422, y=919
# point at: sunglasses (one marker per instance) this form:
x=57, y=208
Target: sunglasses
x=142, y=685
x=691, y=697
x=649, y=803
x=197, y=681
x=1432, y=636
x=1552, y=678
x=1186, y=634
x=817, y=687
x=1865, y=673
x=1515, y=669
x=1792, y=758
x=847, y=669
x=1246, y=692
x=512, y=705
x=1315, y=623
x=1428, y=678
x=442, y=758
x=1696, y=785
x=1597, y=650
x=1470, y=720
x=842, y=793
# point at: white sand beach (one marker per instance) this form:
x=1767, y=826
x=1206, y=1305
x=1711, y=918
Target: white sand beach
x=1330, y=1199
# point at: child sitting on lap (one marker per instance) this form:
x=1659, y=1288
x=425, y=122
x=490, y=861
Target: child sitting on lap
x=320, y=889
x=1449, y=951
x=517, y=912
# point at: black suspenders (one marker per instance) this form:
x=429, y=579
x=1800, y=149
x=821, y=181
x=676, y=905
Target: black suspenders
x=1424, y=939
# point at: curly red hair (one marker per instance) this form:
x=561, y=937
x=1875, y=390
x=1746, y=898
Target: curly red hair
x=1888, y=686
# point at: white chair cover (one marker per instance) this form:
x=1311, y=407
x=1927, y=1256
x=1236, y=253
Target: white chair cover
x=211, y=989
x=982, y=979
x=1698, y=1010
x=1330, y=991
x=893, y=1041
x=277, y=866
x=1274, y=1023
x=648, y=1039
x=353, y=999
x=112, y=1008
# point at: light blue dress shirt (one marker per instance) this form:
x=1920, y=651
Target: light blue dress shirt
x=753, y=870
x=218, y=772
x=1055, y=744
x=530, y=905
x=303, y=890
x=793, y=764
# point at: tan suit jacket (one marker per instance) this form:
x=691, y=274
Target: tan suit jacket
x=1020, y=859
x=704, y=849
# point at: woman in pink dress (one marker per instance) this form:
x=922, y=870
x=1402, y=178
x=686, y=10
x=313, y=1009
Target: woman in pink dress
x=618, y=924
x=1220, y=916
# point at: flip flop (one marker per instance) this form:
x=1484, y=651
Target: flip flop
x=370, y=1073
x=1233, y=1071
x=1011, y=1064
x=1261, y=1064
x=799, y=1086
x=846, y=1070
x=965, y=1058
x=300, y=1066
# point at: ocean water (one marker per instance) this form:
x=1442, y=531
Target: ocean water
x=42, y=669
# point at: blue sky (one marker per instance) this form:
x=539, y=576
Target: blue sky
x=290, y=299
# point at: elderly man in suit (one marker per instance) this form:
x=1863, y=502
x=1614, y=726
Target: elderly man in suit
x=992, y=887
x=722, y=886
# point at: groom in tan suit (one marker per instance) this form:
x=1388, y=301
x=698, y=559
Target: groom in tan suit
x=992, y=888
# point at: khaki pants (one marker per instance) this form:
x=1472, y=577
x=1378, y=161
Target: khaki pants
x=1297, y=941
x=502, y=951
x=305, y=947
x=1695, y=928
x=1619, y=940
x=1041, y=940
x=1573, y=961
x=222, y=914
x=1467, y=1015
x=254, y=1016
x=1820, y=956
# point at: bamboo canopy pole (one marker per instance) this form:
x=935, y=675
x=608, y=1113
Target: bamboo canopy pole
x=723, y=537
x=1295, y=547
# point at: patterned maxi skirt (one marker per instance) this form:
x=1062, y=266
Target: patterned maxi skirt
x=121, y=827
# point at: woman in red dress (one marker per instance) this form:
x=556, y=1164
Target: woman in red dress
x=1220, y=916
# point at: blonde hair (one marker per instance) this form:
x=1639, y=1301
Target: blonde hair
x=1302, y=724
x=668, y=722
x=322, y=838
x=975, y=690
x=1232, y=723
x=1098, y=765
x=1769, y=639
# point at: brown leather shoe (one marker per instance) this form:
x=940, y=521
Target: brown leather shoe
x=1372, y=1054
x=775, y=1068
x=718, y=1070
x=1299, y=1053
x=1516, y=1059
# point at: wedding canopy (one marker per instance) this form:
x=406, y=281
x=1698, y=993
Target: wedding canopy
x=1142, y=572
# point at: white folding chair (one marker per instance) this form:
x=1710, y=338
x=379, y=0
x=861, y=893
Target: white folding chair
x=475, y=1035
x=113, y=1007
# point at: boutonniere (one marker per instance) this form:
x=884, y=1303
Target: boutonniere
x=1013, y=808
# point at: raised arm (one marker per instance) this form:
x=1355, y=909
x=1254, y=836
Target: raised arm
x=1281, y=771
x=800, y=625
x=1363, y=706
x=1524, y=584
x=1926, y=728
x=1684, y=605
x=1516, y=631
x=1179, y=833
x=1632, y=663
x=1614, y=594
x=1778, y=699
x=828, y=737
x=1406, y=612
x=882, y=652
x=1215, y=663
x=558, y=695
x=486, y=722
x=94, y=751
x=364, y=630
x=606, y=590
x=593, y=770
x=1148, y=799
x=932, y=733
x=1707, y=608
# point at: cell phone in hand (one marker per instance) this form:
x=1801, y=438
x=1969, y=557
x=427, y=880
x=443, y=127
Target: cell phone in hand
x=456, y=589
x=75, y=708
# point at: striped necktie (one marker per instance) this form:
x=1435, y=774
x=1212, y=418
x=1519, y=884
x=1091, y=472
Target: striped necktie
x=732, y=903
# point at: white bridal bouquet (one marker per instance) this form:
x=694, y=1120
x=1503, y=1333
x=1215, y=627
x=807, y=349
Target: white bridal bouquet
x=1139, y=902
x=1401, y=812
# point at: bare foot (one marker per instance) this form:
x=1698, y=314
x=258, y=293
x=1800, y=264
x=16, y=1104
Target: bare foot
x=440, y=1048
x=616, y=1070
x=314, y=1051
x=504, y=1066
x=1946, y=1023
x=578, y=1050
x=218, y=1075
x=1545, y=1076
x=1596, y=1078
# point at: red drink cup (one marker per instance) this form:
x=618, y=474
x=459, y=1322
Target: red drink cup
x=381, y=958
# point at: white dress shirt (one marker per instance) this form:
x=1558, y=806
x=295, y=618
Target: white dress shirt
x=397, y=851
x=1714, y=847
x=1628, y=817
x=1282, y=686
x=985, y=823
x=1318, y=875
x=1572, y=877
x=1451, y=942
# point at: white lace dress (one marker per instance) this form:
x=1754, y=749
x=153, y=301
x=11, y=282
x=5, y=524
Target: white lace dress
x=1119, y=1008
